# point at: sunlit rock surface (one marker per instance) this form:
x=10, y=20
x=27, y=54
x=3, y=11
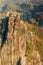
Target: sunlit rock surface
x=14, y=50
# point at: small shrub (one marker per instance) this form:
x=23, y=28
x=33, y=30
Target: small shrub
x=39, y=47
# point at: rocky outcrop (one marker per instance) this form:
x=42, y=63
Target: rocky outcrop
x=13, y=51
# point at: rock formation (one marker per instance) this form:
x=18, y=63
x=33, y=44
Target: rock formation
x=13, y=51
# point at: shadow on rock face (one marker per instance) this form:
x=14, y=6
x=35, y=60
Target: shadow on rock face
x=19, y=61
x=5, y=30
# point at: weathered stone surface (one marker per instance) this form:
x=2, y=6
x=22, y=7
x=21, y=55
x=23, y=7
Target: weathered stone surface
x=15, y=45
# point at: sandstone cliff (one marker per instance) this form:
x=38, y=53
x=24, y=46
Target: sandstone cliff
x=18, y=47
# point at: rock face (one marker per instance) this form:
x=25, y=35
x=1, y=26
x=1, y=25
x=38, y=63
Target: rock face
x=13, y=50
